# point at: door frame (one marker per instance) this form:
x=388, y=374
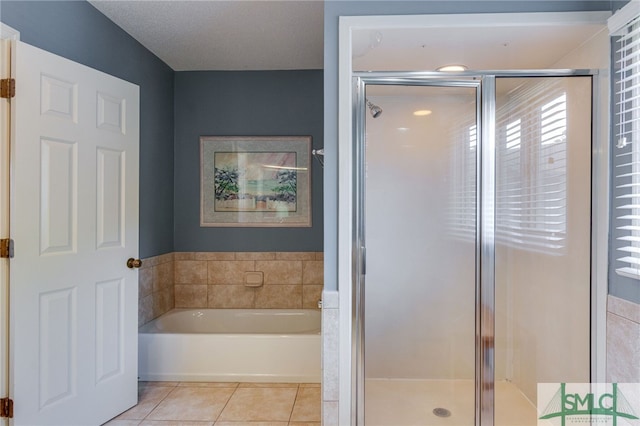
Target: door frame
x=7, y=34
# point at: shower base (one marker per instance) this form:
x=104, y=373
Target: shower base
x=412, y=402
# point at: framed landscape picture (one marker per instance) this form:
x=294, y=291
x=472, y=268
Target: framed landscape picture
x=255, y=181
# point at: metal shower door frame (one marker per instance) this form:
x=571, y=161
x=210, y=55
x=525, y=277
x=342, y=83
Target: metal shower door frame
x=485, y=84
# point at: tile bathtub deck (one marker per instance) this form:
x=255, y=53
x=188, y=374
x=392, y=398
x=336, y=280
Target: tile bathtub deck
x=223, y=404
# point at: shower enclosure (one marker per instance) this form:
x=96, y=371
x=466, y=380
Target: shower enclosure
x=473, y=245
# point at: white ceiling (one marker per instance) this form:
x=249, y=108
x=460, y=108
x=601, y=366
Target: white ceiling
x=225, y=35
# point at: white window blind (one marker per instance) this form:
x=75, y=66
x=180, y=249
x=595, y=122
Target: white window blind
x=531, y=173
x=531, y=169
x=473, y=137
x=627, y=152
x=462, y=208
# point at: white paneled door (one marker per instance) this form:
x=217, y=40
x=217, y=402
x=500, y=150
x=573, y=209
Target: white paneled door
x=74, y=219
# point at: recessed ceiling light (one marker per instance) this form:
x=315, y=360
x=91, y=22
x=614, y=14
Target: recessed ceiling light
x=422, y=112
x=452, y=68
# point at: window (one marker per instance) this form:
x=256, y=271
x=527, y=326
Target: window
x=531, y=123
x=510, y=200
x=551, y=174
x=513, y=134
x=473, y=137
x=626, y=153
x=554, y=121
x=462, y=214
x=531, y=169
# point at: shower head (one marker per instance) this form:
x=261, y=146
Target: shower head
x=375, y=110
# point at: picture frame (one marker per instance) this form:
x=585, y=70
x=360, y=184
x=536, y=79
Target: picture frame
x=255, y=181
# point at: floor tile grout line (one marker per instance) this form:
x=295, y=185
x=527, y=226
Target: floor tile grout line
x=160, y=402
x=226, y=403
x=293, y=407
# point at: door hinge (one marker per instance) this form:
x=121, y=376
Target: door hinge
x=6, y=408
x=7, y=88
x=6, y=248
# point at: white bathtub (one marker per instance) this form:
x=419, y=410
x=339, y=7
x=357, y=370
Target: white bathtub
x=231, y=345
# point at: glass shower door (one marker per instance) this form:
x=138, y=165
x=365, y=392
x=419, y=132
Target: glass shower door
x=458, y=328
x=420, y=165
x=542, y=241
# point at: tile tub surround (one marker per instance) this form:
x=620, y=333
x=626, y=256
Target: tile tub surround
x=155, y=287
x=330, y=357
x=291, y=280
x=623, y=341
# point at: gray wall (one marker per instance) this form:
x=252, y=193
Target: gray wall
x=207, y=103
x=243, y=103
x=77, y=31
x=334, y=9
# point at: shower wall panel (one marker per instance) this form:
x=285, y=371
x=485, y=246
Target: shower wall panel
x=419, y=319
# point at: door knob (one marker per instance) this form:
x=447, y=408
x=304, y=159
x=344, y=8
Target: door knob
x=134, y=263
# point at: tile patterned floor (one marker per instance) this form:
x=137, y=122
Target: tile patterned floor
x=223, y=404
